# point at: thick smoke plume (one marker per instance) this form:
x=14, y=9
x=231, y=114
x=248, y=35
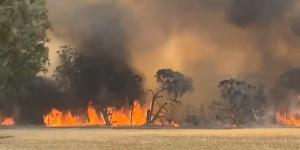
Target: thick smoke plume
x=291, y=79
x=103, y=78
x=96, y=30
x=258, y=12
x=210, y=40
x=213, y=40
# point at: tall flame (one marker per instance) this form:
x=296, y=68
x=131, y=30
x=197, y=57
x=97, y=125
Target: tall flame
x=57, y=118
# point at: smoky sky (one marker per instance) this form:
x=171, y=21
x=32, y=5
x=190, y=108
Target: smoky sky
x=212, y=40
x=104, y=76
x=209, y=40
x=295, y=25
x=291, y=79
x=258, y=12
x=96, y=30
x=90, y=27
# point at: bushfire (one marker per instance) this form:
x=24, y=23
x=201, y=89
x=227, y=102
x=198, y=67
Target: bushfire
x=126, y=116
x=122, y=117
x=289, y=120
x=8, y=121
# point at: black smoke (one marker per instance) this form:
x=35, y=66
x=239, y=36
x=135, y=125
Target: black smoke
x=252, y=33
x=258, y=12
x=102, y=75
x=44, y=95
x=106, y=82
x=295, y=25
x=291, y=79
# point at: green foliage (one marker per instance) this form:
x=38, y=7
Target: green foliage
x=244, y=101
x=174, y=82
x=67, y=71
x=23, y=53
x=172, y=87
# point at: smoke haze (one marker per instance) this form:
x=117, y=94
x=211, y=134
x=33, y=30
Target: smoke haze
x=208, y=40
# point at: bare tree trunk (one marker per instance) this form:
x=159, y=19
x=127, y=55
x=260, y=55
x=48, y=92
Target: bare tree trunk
x=234, y=116
x=254, y=113
x=131, y=115
x=286, y=113
x=234, y=119
x=203, y=115
x=148, y=118
x=105, y=115
x=150, y=112
x=155, y=117
x=274, y=114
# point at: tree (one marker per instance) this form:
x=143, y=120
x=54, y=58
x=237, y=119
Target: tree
x=173, y=86
x=102, y=82
x=65, y=74
x=23, y=53
x=242, y=100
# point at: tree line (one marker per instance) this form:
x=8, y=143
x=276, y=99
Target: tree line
x=24, y=55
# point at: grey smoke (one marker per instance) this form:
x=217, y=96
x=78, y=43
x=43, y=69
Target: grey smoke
x=295, y=25
x=291, y=79
x=258, y=12
x=230, y=38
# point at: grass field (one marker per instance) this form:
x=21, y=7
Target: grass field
x=93, y=138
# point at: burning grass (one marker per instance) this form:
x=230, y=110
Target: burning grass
x=7, y=121
x=95, y=138
x=57, y=118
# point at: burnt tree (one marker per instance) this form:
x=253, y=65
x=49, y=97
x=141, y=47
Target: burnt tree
x=172, y=87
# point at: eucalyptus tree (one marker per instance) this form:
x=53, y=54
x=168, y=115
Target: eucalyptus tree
x=23, y=51
x=172, y=87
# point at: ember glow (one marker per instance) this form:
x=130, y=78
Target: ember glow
x=57, y=118
x=288, y=120
x=8, y=121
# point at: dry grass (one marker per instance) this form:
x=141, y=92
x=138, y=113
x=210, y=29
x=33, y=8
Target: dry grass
x=91, y=138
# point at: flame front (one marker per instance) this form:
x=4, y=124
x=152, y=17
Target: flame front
x=291, y=121
x=8, y=121
x=57, y=118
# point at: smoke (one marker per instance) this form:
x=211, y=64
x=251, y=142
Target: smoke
x=295, y=25
x=44, y=95
x=92, y=27
x=107, y=82
x=291, y=79
x=105, y=77
x=258, y=12
x=96, y=29
x=209, y=40
x=212, y=40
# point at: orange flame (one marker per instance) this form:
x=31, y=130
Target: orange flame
x=121, y=117
x=94, y=118
x=291, y=121
x=8, y=121
x=138, y=115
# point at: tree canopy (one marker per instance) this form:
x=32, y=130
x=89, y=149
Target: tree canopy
x=23, y=53
x=243, y=100
x=172, y=87
x=174, y=82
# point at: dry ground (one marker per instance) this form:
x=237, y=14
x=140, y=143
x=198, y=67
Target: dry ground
x=93, y=138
